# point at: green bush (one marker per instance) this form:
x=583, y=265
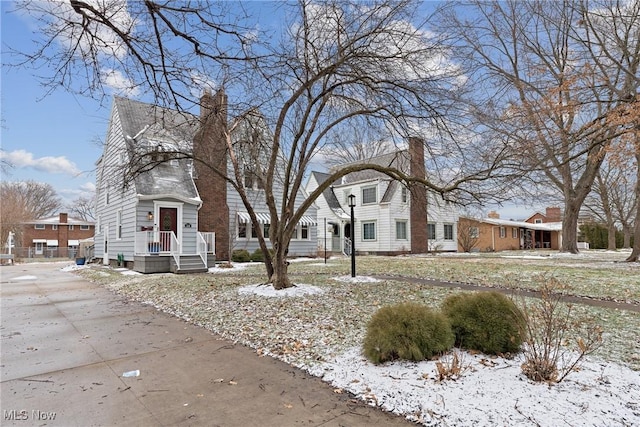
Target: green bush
x=406, y=331
x=257, y=256
x=240, y=255
x=488, y=322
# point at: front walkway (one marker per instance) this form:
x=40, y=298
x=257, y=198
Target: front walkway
x=67, y=344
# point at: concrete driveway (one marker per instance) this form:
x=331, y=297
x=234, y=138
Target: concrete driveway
x=67, y=343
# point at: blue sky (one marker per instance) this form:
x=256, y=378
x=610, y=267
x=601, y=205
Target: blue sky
x=55, y=138
x=48, y=138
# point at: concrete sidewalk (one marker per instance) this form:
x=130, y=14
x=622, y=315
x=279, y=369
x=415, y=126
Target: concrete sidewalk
x=66, y=343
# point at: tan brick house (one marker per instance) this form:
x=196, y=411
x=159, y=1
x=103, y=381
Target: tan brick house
x=493, y=234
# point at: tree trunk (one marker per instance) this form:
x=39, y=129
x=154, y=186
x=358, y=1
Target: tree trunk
x=280, y=275
x=626, y=236
x=611, y=236
x=635, y=253
x=570, y=227
x=608, y=213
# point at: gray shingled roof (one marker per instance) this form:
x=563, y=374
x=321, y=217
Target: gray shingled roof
x=136, y=115
x=150, y=122
x=328, y=194
x=398, y=159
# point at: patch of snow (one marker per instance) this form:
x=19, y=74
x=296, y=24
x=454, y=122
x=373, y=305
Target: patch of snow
x=525, y=257
x=268, y=290
x=127, y=272
x=357, y=279
x=25, y=278
x=74, y=267
x=490, y=392
x=235, y=267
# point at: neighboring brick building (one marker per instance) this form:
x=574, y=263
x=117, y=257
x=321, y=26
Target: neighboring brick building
x=493, y=234
x=552, y=214
x=57, y=236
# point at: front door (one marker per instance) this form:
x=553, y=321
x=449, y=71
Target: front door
x=168, y=222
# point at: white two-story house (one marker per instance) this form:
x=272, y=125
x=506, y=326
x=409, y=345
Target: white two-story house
x=174, y=214
x=389, y=218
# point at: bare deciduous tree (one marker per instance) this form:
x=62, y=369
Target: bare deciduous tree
x=557, y=74
x=336, y=66
x=23, y=201
x=83, y=208
x=468, y=234
x=614, y=198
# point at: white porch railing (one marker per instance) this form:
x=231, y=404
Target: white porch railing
x=166, y=242
x=154, y=242
x=206, y=245
x=175, y=249
x=347, y=246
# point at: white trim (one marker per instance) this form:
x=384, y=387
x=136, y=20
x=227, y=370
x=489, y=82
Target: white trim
x=157, y=204
x=52, y=242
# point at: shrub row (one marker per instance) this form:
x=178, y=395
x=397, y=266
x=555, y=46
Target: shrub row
x=488, y=322
x=242, y=255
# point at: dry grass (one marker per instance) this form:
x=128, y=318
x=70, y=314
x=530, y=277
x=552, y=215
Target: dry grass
x=312, y=328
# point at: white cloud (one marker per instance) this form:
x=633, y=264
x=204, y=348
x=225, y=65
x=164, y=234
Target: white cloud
x=118, y=82
x=94, y=36
x=201, y=83
x=89, y=187
x=49, y=164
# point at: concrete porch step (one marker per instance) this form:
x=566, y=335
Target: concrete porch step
x=188, y=264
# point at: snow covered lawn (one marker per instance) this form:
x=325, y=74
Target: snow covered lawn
x=319, y=326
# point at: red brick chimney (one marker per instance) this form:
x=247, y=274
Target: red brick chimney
x=63, y=218
x=418, y=211
x=210, y=151
x=493, y=215
x=553, y=214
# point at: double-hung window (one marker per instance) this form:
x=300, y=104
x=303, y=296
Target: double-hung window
x=431, y=231
x=448, y=232
x=401, y=230
x=369, y=230
x=369, y=195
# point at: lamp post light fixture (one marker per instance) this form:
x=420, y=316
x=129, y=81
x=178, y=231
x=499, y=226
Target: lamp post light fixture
x=352, y=204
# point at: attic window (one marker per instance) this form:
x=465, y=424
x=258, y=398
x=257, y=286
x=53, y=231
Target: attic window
x=369, y=195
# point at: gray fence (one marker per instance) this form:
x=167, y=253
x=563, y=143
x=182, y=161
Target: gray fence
x=31, y=252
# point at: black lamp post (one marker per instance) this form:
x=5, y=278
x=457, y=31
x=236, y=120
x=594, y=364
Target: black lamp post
x=352, y=204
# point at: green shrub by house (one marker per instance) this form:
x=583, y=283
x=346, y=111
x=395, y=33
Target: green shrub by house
x=258, y=255
x=240, y=255
x=406, y=331
x=488, y=322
